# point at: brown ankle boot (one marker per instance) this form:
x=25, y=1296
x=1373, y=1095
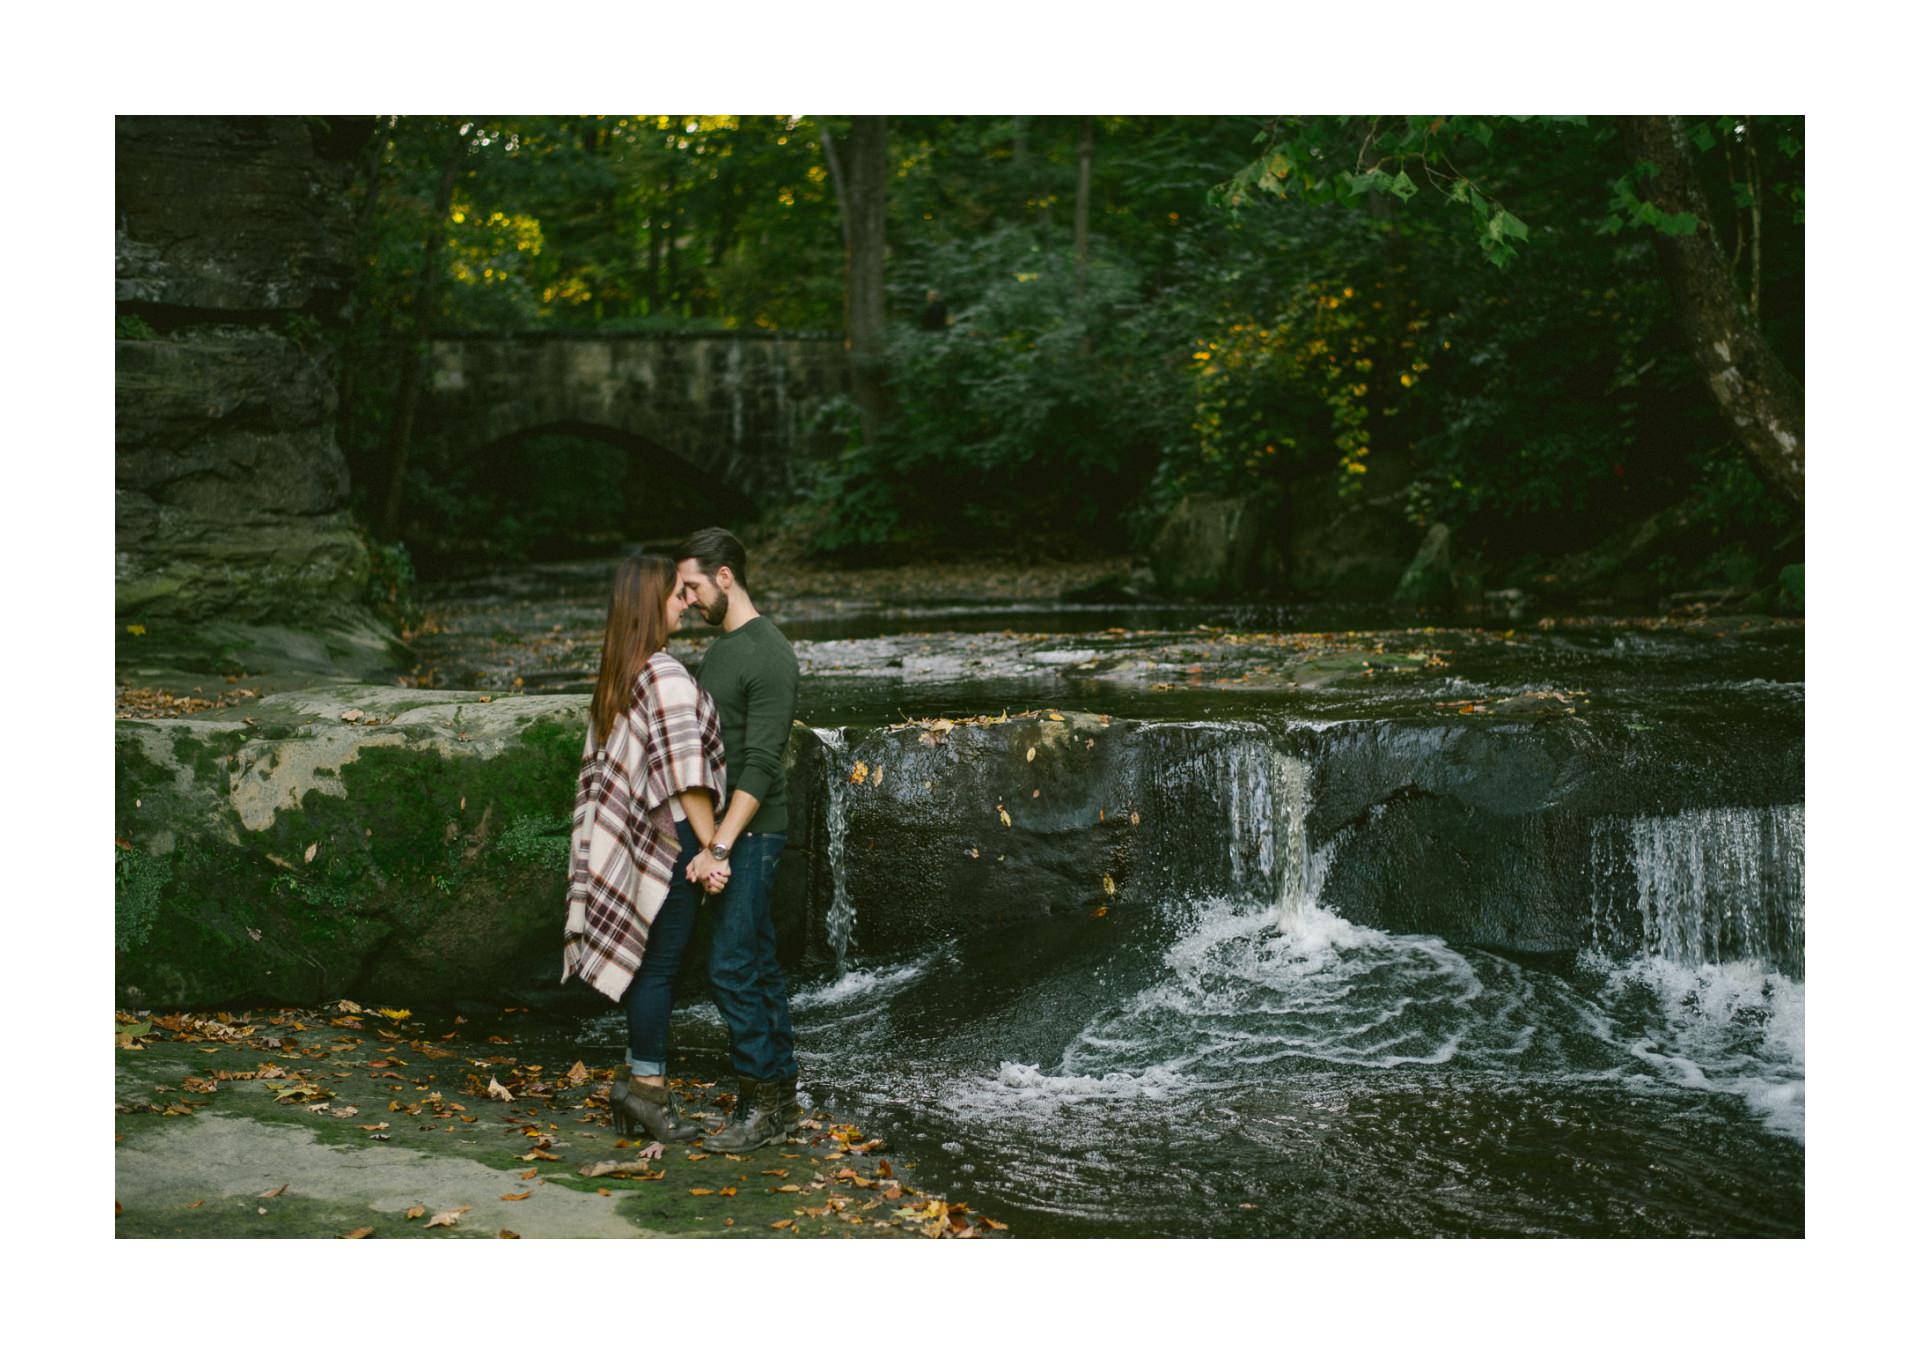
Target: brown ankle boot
x=637, y=1105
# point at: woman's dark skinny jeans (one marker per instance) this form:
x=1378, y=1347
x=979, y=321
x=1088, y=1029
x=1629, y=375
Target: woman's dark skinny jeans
x=649, y=997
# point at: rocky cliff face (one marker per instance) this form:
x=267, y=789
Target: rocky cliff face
x=232, y=249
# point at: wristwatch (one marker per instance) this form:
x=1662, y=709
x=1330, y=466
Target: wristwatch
x=719, y=850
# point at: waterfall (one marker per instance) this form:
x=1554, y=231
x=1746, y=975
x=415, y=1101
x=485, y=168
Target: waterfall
x=1708, y=886
x=833, y=744
x=1233, y=776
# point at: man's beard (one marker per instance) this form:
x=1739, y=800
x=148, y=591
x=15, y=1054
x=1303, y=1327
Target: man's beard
x=716, y=613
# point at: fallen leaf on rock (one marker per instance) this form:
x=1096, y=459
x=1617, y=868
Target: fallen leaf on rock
x=1032, y=753
x=729, y=1191
x=417, y=1211
x=358, y=1234
x=505, y=1235
x=699, y=1192
x=196, y=1203
x=784, y=1222
x=273, y=1193
x=577, y=1073
x=497, y=1091
x=1106, y=882
x=516, y=1198
x=1005, y=821
x=392, y=1013
x=698, y=1156
x=311, y=851
x=530, y=1172
x=859, y=774
x=449, y=1217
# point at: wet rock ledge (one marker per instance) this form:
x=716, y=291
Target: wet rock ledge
x=410, y=846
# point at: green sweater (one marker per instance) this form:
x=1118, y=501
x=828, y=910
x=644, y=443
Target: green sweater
x=755, y=680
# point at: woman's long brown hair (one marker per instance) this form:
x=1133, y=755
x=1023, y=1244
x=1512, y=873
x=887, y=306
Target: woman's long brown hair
x=636, y=631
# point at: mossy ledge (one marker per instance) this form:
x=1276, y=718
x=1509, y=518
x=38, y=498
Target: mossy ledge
x=344, y=839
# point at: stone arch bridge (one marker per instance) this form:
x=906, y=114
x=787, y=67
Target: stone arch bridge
x=733, y=408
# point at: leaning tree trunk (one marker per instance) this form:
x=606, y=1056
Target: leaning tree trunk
x=407, y=401
x=1751, y=385
x=866, y=234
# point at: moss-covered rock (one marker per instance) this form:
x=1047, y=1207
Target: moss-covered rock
x=416, y=848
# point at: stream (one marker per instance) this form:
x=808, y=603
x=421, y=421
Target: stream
x=1231, y=1056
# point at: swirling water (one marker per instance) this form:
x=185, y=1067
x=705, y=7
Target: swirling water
x=1241, y=1061
x=1246, y=1062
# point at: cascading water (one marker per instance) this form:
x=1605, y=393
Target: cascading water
x=1708, y=908
x=1223, y=1055
x=1710, y=886
x=833, y=744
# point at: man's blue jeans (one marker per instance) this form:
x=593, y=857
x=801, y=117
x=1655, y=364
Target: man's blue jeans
x=742, y=967
x=649, y=997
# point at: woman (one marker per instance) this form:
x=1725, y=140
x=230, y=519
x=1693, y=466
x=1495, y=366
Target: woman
x=651, y=778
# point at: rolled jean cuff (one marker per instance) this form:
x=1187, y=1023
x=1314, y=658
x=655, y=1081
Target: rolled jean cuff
x=640, y=1067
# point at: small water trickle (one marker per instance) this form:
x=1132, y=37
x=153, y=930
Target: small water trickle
x=1708, y=886
x=840, y=912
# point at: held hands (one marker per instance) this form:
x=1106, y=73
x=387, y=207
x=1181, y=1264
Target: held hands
x=703, y=869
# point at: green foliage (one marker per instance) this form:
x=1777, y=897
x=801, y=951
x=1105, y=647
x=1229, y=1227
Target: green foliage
x=138, y=881
x=538, y=841
x=1030, y=416
x=390, y=581
x=1543, y=399
x=133, y=327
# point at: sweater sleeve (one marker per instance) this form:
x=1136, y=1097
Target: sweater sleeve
x=772, y=689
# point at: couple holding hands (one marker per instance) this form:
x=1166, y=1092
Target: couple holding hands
x=657, y=828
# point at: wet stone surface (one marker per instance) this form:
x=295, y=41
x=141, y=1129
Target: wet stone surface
x=322, y=1122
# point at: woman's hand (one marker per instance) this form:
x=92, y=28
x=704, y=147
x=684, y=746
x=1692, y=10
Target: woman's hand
x=716, y=878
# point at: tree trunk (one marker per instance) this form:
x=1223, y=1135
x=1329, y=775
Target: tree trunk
x=1082, y=207
x=1750, y=384
x=407, y=401
x=866, y=272
x=373, y=175
x=839, y=189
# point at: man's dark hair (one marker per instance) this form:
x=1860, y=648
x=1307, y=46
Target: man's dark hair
x=712, y=547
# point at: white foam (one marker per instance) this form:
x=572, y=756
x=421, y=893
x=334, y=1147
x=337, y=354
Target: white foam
x=856, y=983
x=1736, y=1029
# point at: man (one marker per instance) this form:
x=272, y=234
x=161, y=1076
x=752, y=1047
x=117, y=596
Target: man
x=754, y=679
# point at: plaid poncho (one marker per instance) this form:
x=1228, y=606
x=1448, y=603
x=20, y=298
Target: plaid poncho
x=624, y=844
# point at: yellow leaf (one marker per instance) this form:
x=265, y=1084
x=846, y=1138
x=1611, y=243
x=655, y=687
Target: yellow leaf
x=417, y=1211
x=1031, y=752
x=136, y=629
x=312, y=851
x=784, y=1222
x=859, y=773
x=516, y=1198
x=700, y=1191
x=1005, y=821
x=358, y=1233
x=1106, y=882
x=394, y=1012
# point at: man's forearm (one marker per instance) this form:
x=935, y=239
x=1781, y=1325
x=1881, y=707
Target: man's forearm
x=740, y=810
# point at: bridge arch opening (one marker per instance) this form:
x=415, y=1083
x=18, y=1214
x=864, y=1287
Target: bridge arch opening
x=559, y=490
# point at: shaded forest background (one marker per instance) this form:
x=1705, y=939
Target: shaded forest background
x=1062, y=329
